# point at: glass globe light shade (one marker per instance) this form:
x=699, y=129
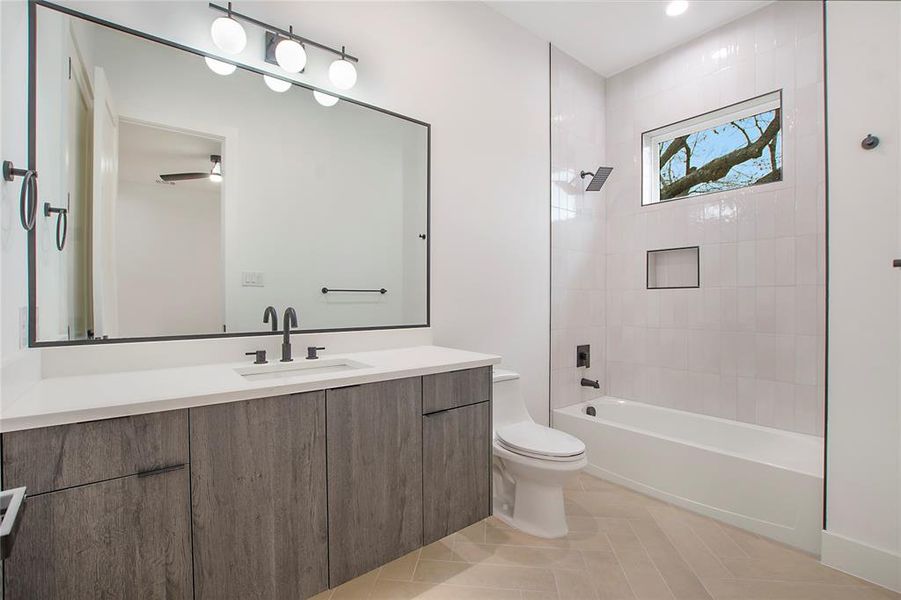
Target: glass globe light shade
x=228, y=35
x=276, y=85
x=218, y=67
x=325, y=99
x=342, y=74
x=290, y=56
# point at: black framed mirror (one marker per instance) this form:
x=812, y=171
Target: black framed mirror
x=196, y=195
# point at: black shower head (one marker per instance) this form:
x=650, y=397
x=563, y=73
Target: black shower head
x=597, y=178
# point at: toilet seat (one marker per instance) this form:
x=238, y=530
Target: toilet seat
x=537, y=441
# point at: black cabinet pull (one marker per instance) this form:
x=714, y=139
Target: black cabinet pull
x=161, y=470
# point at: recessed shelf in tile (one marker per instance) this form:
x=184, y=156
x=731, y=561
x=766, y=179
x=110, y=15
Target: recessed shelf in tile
x=670, y=268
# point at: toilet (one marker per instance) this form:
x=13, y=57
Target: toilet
x=531, y=464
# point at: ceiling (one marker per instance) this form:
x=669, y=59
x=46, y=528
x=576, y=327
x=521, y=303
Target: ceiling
x=612, y=36
x=145, y=152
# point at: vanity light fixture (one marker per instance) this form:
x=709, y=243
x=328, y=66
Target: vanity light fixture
x=282, y=47
x=325, y=99
x=342, y=73
x=218, y=67
x=228, y=34
x=290, y=54
x=676, y=7
x=275, y=84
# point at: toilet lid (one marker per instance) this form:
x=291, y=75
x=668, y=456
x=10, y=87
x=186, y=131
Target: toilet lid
x=538, y=439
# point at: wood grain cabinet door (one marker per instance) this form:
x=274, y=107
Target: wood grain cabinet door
x=456, y=467
x=374, y=475
x=63, y=456
x=258, y=495
x=123, y=538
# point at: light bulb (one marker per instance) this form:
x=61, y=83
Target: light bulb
x=325, y=99
x=215, y=177
x=228, y=35
x=290, y=56
x=343, y=74
x=676, y=7
x=218, y=67
x=276, y=85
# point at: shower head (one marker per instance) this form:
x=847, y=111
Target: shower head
x=597, y=178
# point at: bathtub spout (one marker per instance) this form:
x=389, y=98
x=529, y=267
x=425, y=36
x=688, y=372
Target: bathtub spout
x=591, y=383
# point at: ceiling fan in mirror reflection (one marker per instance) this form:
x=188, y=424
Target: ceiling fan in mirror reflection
x=283, y=48
x=214, y=174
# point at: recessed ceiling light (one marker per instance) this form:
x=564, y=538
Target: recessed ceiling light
x=676, y=7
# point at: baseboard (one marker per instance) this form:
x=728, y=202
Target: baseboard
x=862, y=560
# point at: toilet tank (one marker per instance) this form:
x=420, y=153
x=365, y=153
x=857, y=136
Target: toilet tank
x=508, y=404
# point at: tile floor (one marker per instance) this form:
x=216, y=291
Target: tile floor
x=621, y=545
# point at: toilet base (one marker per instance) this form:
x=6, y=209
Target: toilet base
x=536, y=490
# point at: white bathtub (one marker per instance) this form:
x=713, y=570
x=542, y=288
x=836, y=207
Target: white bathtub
x=764, y=480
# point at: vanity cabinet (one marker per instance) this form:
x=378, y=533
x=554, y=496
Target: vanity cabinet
x=258, y=491
x=456, y=467
x=269, y=499
x=374, y=475
x=111, y=516
x=53, y=458
x=456, y=451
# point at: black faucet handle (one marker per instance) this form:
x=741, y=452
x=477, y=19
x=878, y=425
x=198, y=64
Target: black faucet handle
x=259, y=357
x=311, y=352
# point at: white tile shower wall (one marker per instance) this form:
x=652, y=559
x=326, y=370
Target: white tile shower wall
x=577, y=228
x=749, y=343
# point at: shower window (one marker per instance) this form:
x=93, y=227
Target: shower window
x=730, y=148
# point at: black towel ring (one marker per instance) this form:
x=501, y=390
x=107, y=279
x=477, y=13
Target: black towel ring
x=62, y=223
x=28, y=196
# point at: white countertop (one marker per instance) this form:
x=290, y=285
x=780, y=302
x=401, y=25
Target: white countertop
x=61, y=400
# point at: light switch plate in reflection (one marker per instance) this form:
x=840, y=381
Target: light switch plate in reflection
x=252, y=279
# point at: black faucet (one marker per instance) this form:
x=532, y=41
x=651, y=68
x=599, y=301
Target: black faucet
x=288, y=321
x=591, y=383
x=270, y=312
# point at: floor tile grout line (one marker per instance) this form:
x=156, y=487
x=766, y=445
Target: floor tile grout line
x=684, y=559
x=706, y=545
x=619, y=563
x=653, y=562
x=470, y=587
x=725, y=532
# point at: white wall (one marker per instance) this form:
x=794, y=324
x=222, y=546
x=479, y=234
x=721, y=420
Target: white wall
x=169, y=241
x=863, y=474
x=19, y=367
x=749, y=343
x=481, y=82
x=578, y=226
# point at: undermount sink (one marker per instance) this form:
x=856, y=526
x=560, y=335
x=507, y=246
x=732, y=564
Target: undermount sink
x=299, y=368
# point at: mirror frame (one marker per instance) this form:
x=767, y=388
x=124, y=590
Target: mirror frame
x=33, y=342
